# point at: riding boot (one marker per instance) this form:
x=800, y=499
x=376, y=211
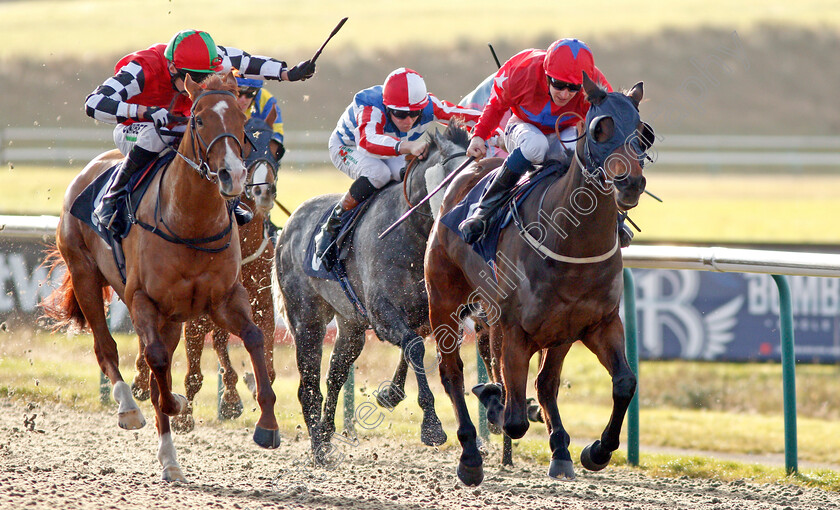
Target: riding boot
x=137, y=159
x=242, y=214
x=329, y=231
x=474, y=227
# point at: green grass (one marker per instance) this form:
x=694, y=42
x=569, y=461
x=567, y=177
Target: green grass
x=87, y=27
x=62, y=368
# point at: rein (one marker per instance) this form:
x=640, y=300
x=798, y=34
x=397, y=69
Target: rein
x=408, y=170
x=545, y=251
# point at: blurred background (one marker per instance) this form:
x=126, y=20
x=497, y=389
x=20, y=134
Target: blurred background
x=743, y=98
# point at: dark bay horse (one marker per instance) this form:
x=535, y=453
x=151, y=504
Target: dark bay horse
x=558, y=280
x=387, y=276
x=168, y=281
x=257, y=258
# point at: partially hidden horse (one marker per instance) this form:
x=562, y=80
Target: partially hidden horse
x=558, y=279
x=257, y=249
x=387, y=276
x=183, y=263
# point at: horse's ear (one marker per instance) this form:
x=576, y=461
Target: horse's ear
x=193, y=89
x=271, y=117
x=637, y=93
x=229, y=80
x=594, y=93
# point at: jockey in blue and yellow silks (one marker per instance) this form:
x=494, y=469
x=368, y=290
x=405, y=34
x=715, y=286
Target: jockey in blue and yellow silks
x=256, y=101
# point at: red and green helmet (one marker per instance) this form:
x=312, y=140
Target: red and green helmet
x=193, y=50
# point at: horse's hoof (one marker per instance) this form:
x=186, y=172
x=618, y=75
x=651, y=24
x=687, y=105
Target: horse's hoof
x=132, y=419
x=534, y=410
x=139, y=393
x=230, y=410
x=173, y=474
x=182, y=404
x=561, y=470
x=389, y=397
x=183, y=423
x=431, y=432
x=470, y=476
x=266, y=438
x=493, y=428
x=485, y=392
x=588, y=462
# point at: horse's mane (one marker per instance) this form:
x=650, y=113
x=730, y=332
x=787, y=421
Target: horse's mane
x=217, y=82
x=456, y=132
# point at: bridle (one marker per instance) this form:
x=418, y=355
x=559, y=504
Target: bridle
x=196, y=141
x=260, y=155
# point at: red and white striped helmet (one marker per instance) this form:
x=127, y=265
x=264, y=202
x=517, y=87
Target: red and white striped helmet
x=405, y=89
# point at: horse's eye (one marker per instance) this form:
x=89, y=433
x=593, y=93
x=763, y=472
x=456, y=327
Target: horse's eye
x=199, y=122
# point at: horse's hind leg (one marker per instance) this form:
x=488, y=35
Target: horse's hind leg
x=88, y=290
x=194, y=333
x=548, y=385
x=140, y=385
x=234, y=314
x=349, y=343
x=263, y=307
x=231, y=404
x=607, y=342
x=516, y=355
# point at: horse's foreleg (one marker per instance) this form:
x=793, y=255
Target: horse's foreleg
x=308, y=335
x=431, y=430
x=194, y=333
x=391, y=394
x=159, y=342
x=447, y=291
x=548, y=385
x=234, y=314
x=231, y=404
x=348, y=346
x=516, y=356
x=607, y=342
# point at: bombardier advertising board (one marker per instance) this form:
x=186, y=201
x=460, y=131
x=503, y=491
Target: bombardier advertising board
x=680, y=314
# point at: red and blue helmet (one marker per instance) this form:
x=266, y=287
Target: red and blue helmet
x=405, y=90
x=566, y=59
x=195, y=51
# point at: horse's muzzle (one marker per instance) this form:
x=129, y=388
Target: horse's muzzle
x=629, y=190
x=228, y=186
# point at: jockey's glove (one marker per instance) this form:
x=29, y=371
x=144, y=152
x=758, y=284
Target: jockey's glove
x=158, y=115
x=302, y=71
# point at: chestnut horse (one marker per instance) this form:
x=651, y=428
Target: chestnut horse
x=184, y=263
x=561, y=286
x=258, y=256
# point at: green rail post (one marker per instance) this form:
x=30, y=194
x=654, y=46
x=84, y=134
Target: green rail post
x=219, y=392
x=788, y=373
x=632, y=349
x=483, y=430
x=349, y=398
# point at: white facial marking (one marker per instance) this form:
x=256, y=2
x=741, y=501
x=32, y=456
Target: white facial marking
x=220, y=108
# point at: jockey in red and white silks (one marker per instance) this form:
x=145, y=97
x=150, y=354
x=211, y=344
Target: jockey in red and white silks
x=368, y=142
x=543, y=90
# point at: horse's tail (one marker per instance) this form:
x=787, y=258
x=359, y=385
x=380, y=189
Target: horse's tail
x=61, y=305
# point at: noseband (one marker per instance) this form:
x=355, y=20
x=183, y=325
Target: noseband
x=203, y=167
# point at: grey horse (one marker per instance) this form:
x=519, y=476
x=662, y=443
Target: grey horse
x=387, y=277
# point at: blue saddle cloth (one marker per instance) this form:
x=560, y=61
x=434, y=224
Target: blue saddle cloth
x=87, y=201
x=501, y=217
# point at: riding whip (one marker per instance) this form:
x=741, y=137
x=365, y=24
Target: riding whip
x=335, y=31
x=443, y=183
x=282, y=208
x=498, y=64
